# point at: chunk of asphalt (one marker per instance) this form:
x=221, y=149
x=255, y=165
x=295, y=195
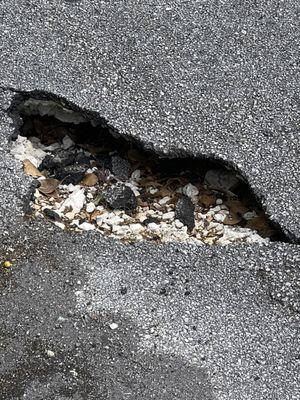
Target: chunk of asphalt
x=48, y=164
x=185, y=212
x=68, y=177
x=120, y=196
x=120, y=167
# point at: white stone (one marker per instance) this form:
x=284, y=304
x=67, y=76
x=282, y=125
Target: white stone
x=75, y=200
x=121, y=229
x=113, y=326
x=220, y=217
x=164, y=200
x=113, y=220
x=178, y=224
x=72, y=187
x=216, y=209
x=153, y=227
x=23, y=148
x=210, y=213
x=59, y=224
x=212, y=225
x=90, y=207
x=50, y=353
x=86, y=226
x=141, y=217
x=67, y=142
x=133, y=188
x=136, y=228
x=168, y=215
x=190, y=190
x=153, y=190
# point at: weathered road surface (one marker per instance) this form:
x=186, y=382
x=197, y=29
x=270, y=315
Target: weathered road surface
x=205, y=78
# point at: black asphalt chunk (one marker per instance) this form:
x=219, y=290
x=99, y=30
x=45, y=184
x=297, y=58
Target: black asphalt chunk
x=185, y=212
x=120, y=197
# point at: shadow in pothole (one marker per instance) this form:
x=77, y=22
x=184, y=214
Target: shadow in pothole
x=89, y=177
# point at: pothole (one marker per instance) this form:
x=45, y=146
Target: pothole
x=88, y=177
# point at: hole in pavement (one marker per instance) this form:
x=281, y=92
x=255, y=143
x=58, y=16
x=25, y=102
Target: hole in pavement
x=88, y=177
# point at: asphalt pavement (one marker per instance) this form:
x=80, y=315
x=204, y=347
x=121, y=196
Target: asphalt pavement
x=86, y=317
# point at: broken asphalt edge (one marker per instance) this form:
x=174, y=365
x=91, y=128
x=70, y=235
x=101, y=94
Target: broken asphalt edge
x=173, y=152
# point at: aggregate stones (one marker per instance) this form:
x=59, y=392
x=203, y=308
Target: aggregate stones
x=121, y=191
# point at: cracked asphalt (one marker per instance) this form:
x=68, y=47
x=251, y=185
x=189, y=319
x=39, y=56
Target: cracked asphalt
x=206, y=78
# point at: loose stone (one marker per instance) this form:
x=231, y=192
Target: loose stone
x=185, y=212
x=90, y=207
x=86, y=226
x=190, y=190
x=120, y=196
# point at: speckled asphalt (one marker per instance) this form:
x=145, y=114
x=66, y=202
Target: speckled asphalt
x=210, y=78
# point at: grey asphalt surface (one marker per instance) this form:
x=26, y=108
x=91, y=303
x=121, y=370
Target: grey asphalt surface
x=206, y=78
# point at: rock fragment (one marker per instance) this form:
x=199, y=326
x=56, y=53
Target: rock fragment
x=120, y=197
x=185, y=212
x=190, y=190
x=75, y=201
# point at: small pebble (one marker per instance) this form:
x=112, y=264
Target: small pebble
x=219, y=217
x=153, y=227
x=86, y=226
x=90, y=207
x=113, y=326
x=164, y=200
x=178, y=224
x=190, y=190
x=136, y=228
x=50, y=353
x=60, y=225
x=168, y=215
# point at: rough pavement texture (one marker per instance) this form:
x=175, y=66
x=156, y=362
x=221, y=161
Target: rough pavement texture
x=216, y=78
x=209, y=78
